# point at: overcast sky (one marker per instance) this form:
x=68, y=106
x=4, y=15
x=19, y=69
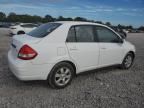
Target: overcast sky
x=115, y=11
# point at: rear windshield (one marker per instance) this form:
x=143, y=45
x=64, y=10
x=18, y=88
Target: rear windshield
x=43, y=30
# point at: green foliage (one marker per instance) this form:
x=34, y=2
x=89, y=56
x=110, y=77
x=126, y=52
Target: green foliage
x=61, y=18
x=108, y=23
x=48, y=18
x=25, y=18
x=80, y=19
x=12, y=17
x=141, y=28
x=2, y=16
x=100, y=22
x=125, y=27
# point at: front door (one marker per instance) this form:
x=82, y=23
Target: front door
x=111, y=48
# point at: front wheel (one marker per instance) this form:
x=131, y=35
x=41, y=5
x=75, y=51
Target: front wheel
x=128, y=61
x=61, y=75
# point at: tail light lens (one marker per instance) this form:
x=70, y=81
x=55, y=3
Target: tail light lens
x=27, y=53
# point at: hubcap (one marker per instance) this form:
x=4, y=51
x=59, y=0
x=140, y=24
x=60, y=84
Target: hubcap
x=62, y=76
x=128, y=61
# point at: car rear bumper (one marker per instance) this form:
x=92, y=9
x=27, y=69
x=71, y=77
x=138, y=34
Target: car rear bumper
x=28, y=71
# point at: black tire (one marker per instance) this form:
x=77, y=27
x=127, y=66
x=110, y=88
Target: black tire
x=20, y=32
x=55, y=71
x=124, y=64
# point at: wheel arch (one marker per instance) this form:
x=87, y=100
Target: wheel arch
x=71, y=63
x=65, y=61
x=132, y=52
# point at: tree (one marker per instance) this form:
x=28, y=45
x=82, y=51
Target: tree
x=68, y=19
x=12, y=17
x=130, y=27
x=2, y=16
x=48, y=18
x=60, y=18
x=100, y=22
x=120, y=26
x=141, y=28
x=108, y=23
x=80, y=19
x=36, y=19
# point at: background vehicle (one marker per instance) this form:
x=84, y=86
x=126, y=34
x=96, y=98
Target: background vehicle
x=22, y=28
x=4, y=25
x=57, y=51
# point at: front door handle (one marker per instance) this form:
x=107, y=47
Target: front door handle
x=103, y=48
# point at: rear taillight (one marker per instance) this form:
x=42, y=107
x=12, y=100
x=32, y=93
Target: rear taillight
x=27, y=53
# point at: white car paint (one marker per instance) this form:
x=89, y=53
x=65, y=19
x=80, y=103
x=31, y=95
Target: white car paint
x=53, y=49
x=17, y=28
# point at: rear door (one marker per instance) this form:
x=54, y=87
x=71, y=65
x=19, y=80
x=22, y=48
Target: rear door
x=82, y=46
x=111, y=49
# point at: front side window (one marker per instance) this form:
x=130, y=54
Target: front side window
x=43, y=30
x=82, y=33
x=106, y=35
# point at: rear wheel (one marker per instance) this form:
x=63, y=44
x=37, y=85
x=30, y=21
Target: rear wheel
x=61, y=75
x=128, y=61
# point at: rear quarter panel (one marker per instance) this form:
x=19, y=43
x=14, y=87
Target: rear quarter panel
x=52, y=48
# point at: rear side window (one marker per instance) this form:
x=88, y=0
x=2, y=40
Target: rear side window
x=82, y=33
x=71, y=35
x=43, y=30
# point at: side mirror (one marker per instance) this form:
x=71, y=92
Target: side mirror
x=121, y=41
x=123, y=35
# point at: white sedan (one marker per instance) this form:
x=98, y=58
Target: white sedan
x=58, y=51
x=22, y=28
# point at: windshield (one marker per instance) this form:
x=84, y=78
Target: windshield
x=43, y=30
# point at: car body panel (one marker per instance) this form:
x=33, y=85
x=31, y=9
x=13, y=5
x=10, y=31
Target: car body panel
x=110, y=53
x=53, y=49
x=86, y=55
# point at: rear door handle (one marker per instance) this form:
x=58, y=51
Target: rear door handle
x=73, y=49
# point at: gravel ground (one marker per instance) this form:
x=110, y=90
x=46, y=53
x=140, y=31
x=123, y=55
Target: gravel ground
x=106, y=88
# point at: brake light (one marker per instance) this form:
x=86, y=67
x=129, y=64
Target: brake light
x=27, y=53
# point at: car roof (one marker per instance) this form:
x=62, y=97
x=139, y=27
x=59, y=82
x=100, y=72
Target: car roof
x=71, y=23
x=78, y=23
